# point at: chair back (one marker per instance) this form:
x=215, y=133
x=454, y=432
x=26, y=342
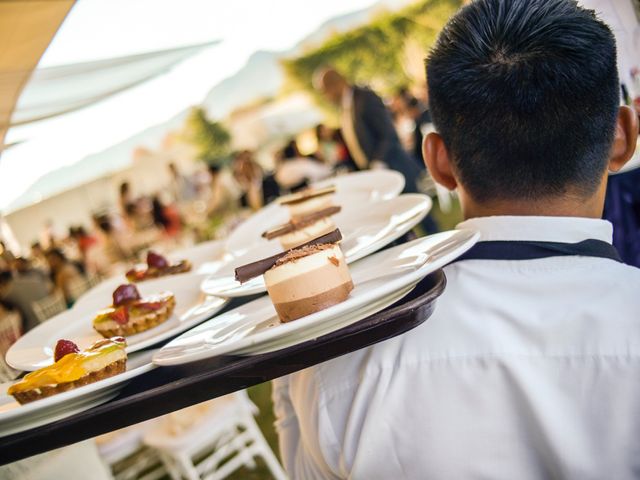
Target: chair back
x=49, y=306
x=10, y=331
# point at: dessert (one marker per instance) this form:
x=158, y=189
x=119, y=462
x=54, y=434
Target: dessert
x=157, y=266
x=304, y=280
x=302, y=229
x=72, y=368
x=308, y=201
x=130, y=313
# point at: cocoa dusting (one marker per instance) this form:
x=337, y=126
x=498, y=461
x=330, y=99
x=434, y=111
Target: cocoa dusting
x=298, y=253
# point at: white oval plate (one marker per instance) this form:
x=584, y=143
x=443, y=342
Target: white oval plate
x=327, y=326
x=352, y=192
x=17, y=418
x=35, y=349
x=254, y=325
x=364, y=231
x=203, y=256
x=206, y=258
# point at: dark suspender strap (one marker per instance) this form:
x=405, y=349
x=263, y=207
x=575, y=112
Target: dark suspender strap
x=529, y=250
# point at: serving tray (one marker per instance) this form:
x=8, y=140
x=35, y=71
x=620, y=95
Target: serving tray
x=167, y=389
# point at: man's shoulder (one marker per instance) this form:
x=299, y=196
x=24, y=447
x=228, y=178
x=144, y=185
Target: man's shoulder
x=362, y=92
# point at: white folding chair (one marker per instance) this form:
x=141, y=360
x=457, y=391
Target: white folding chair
x=49, y=306
x=126, y=455
x=82, y=285
x=10, y=331
x=225, y=433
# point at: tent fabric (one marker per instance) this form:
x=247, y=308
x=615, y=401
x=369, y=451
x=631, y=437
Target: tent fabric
x=61, y=89
x=26, y=29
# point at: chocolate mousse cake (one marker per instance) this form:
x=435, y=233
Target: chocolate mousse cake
x=303, y=229
x=308, y=201
x=72, y=368
x=308, y=279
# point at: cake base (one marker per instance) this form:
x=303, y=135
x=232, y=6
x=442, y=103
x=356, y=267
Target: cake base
x=289, y=311
x=148, y=321
x=150, y=274
x=43, y=392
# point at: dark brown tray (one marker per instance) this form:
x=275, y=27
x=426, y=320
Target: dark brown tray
x=167, y=389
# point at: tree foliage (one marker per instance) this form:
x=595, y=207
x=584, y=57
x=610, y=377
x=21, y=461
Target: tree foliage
x=374, y=54
x=211, y=139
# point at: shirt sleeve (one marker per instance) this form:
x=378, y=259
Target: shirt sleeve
x=298, y=461
x=286, y=423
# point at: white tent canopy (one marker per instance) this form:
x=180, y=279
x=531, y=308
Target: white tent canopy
x=26, y=29
x=57, y=90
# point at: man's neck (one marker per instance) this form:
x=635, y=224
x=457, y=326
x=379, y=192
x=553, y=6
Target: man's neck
x=562, y=207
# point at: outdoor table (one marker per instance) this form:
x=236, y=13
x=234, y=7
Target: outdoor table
x=167, y=389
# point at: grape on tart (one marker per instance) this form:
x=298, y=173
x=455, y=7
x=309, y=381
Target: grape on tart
x=130, y=313
x=306, y=279
x=72, y=368
x=303, y=229
x=307, y=201
x=157, y=266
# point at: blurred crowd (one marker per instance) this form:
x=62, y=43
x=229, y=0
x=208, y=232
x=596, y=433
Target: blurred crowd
x=204, y=203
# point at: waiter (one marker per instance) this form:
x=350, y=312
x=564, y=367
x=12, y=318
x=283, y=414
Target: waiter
x=529, y=367
x=367, y=127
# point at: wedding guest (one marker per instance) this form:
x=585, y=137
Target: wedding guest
x=38, y=258
x=249, y=176
x=111, y=251
x=166, y=217
x=182, y=187
x=64, y=273
x=222, y=197
x=6, y=254
x=367, y=126
x=294, y=171
x=84, y=241
x=327, y=147
x=403, y=122
x=529, y=366
x=344, y=162
x=20, y=291
x=422, y=124
x=23, y=267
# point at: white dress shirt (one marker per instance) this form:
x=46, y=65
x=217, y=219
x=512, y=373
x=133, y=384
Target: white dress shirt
x=526, y=370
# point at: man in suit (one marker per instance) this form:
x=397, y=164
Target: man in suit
x=366, y=126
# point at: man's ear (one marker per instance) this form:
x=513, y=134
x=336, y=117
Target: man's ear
x=437, y=160
x=625, y=140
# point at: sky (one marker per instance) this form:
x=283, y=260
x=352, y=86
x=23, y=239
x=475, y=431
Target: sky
x=98, y=29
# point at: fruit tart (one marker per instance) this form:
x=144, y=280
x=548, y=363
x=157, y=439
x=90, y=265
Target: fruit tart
x=72, y=368
x=130, y=313
x=157, y=266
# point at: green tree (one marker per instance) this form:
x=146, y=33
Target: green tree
x=374, y=54
x=211, y=139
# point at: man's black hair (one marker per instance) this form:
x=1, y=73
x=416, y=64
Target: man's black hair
x=525, y=96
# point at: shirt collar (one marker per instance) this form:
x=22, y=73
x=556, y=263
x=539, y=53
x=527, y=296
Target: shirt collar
x=540, y=229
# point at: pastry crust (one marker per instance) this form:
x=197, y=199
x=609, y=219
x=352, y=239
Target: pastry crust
x=138, y=324
x=33, y=394
x=141, y=275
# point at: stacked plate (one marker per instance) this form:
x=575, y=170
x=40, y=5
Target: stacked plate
x=380, y=280
x=373, y=215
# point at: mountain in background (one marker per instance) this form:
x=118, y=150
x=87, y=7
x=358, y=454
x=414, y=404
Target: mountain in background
x=260, y=77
